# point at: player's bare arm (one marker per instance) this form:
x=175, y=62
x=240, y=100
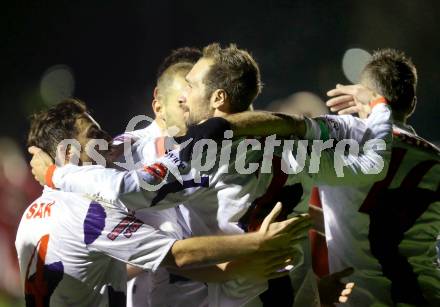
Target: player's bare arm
x=276, y=237
x=259, y=255
x=258, y=267
x=264, y=123
x=347, y=99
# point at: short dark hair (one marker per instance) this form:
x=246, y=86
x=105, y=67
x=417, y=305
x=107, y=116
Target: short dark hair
x=235, y=71
x=181, y=55
x=50, y=127
x=395, y=77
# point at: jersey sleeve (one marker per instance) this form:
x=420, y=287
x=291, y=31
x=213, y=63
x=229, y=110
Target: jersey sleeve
x=123, y=236
x=166, y=183
x=373, y=135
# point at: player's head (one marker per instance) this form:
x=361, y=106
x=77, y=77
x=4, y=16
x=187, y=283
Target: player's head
x=170, y=84
x=223, y=81
x=393, y=75
x=67, y=120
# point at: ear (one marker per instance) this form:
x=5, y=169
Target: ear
x=157, y=107
x=220, y=100
x=68, y=151
x=63, y=154
x=155, y=92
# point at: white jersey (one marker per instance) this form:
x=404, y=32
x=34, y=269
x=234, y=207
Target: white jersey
x=387, y=231
x=161, y=288
x=232, y=202
x=72, y=251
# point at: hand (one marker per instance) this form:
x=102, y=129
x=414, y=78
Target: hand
x=213, y=129
x=349, y=99
x=262, y=266
x=333, y=290
x=40, y=163
x=276, y=236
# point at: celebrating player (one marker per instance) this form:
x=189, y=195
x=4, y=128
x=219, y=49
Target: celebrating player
x=72, y=250
x=163, y=288
x=387, y=230
x=123, y=187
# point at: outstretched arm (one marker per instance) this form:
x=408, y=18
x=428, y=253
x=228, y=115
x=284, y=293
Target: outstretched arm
x=373, y=135
x=259, y=255
x=271, y=237
x=369, y=140
x=346, y=100
x=261, y=123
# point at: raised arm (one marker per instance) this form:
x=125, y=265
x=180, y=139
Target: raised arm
x=372, y=136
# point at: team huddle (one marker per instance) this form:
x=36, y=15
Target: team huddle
x=200, y=207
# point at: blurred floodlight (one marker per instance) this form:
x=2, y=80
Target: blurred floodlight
x=353, y=62
x=56, y=84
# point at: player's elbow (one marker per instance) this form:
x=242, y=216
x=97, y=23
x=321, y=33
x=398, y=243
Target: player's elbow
x=182, y=261
x=178, y=256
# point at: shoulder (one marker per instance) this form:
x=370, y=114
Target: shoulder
x=403, y=137
x=43, y=206
x=37, y=219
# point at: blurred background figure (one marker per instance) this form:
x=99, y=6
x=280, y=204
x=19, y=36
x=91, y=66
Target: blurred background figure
x=17, y=188
x=304, y=103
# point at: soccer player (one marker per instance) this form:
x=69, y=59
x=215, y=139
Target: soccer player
x=72, y=250
x=171, y=289
x=387, y=230
x=211, y=92
x=163, y=288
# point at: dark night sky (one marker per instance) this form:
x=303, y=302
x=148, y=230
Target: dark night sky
x=114, y=48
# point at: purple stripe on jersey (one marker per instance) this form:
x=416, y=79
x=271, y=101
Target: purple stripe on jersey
x=55, y=267
x=94, y=222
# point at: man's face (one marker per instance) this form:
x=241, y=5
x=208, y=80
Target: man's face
x=173, y=112
x=88, y=129
x=195, y=96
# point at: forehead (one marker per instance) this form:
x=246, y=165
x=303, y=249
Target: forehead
x=199, y=69
x=178, y=83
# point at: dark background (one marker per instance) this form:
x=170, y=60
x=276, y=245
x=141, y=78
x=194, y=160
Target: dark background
x=115, y=47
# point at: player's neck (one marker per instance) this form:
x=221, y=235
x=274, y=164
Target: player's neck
x=218, y=113
x=400, y=119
